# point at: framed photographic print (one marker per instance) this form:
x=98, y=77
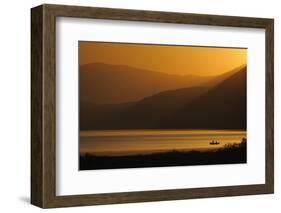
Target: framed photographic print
x=136, y=106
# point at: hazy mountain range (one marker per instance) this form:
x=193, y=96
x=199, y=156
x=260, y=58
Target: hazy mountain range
x=122, y=97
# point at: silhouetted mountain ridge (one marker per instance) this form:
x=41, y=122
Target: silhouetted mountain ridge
x=110, y=84
x=223, y=106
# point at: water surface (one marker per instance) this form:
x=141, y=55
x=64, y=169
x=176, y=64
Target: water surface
x=129, y=142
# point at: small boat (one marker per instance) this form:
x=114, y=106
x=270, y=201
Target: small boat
x=214, y=143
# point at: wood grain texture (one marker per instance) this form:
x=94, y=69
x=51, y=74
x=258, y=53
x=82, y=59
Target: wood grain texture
x=43, y=105
x=36, y=106
x=269, y=59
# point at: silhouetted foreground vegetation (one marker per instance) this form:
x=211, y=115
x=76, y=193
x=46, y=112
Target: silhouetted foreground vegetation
x=230, y=154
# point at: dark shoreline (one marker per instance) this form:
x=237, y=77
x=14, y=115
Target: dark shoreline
x=230, y=154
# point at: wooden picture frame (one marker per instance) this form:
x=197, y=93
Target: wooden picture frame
x=43, y=105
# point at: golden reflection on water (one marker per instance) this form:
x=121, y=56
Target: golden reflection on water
x=128, y=142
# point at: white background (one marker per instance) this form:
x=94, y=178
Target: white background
x=15, y=106
x=71, y=181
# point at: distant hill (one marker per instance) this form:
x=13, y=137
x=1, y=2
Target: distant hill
x=101, y=116
x=152, y=111
x=223, y=106
x=220, y=78
x=111, y=84
x=147, y=113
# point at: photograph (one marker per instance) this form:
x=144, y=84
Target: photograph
x=149, y=105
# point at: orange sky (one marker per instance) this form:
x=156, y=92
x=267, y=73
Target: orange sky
x=181, y=60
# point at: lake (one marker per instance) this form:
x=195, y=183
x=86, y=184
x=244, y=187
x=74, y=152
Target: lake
x=130, y=142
